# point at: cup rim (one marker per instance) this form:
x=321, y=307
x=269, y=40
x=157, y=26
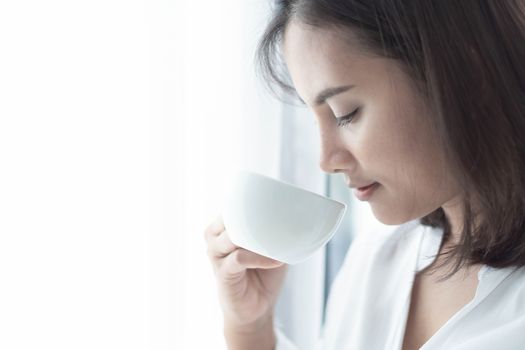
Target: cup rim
x=251, y=173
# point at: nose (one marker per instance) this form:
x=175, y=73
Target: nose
x=335, y=155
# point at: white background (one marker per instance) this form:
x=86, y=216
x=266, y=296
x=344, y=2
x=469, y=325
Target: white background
x=120, y=124
x=111, y=164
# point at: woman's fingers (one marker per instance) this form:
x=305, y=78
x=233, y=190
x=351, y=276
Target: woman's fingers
x=241, y=259
x=220, y=246
x=229, y=258
x=214, y=229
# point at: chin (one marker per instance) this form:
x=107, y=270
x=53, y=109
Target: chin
x=387, y=216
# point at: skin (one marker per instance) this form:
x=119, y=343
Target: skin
x=389, y=141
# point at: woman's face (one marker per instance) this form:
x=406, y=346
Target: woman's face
x=389, y=140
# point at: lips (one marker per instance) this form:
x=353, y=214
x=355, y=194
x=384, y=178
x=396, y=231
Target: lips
x=363, y=188
x=358, y=184
x=365, y=192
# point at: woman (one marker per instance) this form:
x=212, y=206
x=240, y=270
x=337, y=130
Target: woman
x=421, y=105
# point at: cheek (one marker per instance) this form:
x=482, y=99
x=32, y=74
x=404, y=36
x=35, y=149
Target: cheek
x=415, y=163
x=381, y=148
x=397, y=149
x=401, y=156
x=415, y=181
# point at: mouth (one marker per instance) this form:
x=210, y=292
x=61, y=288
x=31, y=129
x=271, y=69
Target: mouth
x=364, y=193
x=365, y=187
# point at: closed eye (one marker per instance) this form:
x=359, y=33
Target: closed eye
x=342, y=121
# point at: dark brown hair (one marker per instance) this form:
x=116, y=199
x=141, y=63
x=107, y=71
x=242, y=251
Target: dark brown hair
x=468, y=59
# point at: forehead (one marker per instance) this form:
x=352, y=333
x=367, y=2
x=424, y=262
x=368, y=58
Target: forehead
x=299, y=35
x=318, y=58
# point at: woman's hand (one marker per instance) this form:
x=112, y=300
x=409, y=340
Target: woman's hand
x=248, y=283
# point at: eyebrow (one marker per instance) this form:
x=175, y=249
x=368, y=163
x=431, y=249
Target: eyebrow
x=330, y=92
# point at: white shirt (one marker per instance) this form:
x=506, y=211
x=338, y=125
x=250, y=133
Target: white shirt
x=368, y=306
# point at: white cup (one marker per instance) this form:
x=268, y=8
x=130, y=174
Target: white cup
x=279, y=220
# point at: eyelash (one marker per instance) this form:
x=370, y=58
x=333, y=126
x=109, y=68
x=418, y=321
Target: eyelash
x=342, y=121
